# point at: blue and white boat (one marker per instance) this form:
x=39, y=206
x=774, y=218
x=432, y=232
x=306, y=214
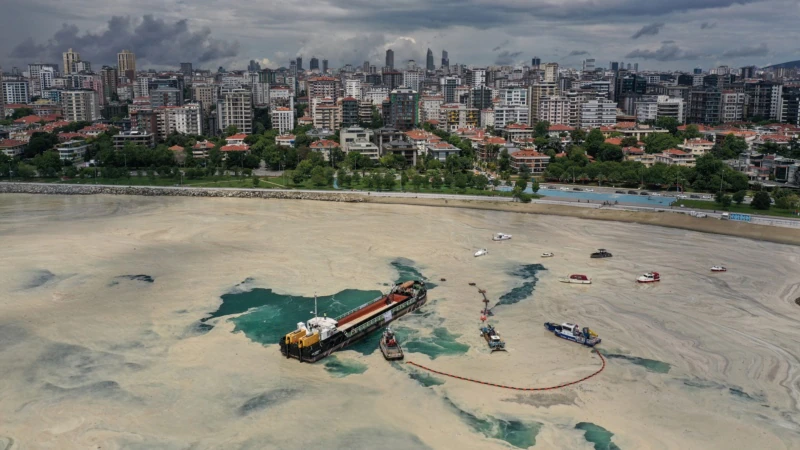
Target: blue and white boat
x=572, y=332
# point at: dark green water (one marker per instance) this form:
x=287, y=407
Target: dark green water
x=527, y=274
x=425, y=379
x=266, y=316
x=439, y=343
x=517, y=433
x=735, y=391
x=339, y=368
x=651, y=365
x=597, y=435
x=407, y=271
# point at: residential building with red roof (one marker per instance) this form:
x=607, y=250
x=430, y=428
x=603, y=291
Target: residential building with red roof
x=12, y=147
x=535, y=161
x=200, y=149
x=696, y=146
x=285, y=140
x=325, y=147
x=235, y=148
x=675, y=157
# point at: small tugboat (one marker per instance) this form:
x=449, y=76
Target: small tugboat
x=548, y=254
x=481, y=252
x=390, y=347
x=601, y=253
x=649, y=277
x=501, y=237
x=572, y=332
x=493, y=339
x=576, y=279
x=718, y=269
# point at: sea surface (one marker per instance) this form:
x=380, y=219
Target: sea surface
x=152, y=323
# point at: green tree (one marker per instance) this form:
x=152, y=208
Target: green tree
x=629, y=141
x=256, y=181
x=21, y=112
x=40, y=143
x=761, y=201
x=230, y=130
x=504, y=161
x=48, y=164
x=658, y=142
x=541, y=129
x=610, y=152
x=25, y=171
x=725, y=201
x=577, y=135
x=669, y=123
x=318, y=176
x=480, y=182
x=788, y=201
x=388, y=181
x=730, y=148
x=691, y=132
x=738, y=197
x=594, y=142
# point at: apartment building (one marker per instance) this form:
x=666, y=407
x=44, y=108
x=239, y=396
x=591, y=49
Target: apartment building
x=598, y=113
x=80, y=105
x=235, y=108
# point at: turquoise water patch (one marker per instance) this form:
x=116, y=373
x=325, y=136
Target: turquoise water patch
x=425, y=379
x=406, y=271
x=517, y=433
x=528, y=274
x=340, y=369
x=440, y=343
x=738, y=392
x=651, y=365
x=270, y=316
x=597, y=435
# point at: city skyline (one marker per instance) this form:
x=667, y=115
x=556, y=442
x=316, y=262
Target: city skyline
x=657, y=35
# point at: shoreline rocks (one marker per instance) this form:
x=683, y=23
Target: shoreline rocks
x=166, y=191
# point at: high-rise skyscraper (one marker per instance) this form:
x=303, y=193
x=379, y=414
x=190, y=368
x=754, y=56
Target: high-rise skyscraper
x=390, y=59
x=551, y=73
x=698, y=71
x=299, y=61
x=293, y=68
x=186, y=69
x=324, y=66
x=126, y=64
x=70, y=58
x=429, y=65
x=313, y=63
x=635, y=67
x=445, y=59
x=536, y=62
x=365, y=67
x=614, y=66
x=109, y=76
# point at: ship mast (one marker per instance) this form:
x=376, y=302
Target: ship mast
x=315, y=304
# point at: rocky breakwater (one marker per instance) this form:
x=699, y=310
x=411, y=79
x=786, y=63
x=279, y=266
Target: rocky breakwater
x=151, y=191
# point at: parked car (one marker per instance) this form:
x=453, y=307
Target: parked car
x=644, y=193
x=694, y=196
x=633, y=192
x=619, y=192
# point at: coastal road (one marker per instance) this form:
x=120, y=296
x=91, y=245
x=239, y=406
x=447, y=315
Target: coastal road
x=755, y=219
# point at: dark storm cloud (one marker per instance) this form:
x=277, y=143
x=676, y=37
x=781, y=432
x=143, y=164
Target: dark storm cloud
x=152, y=40
x=648, y=30
x=667, y=52
x=578, y=53
x=505, y=58
x=707, y=25
x=747, y=51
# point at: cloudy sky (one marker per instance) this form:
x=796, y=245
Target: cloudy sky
x=658, y=34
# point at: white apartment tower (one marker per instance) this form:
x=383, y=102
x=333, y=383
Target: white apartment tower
x=80, y=105
x=551, y=73
x=70, y=58
x=235, y=108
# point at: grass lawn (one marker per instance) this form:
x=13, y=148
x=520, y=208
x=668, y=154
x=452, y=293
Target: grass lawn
x=743, y=208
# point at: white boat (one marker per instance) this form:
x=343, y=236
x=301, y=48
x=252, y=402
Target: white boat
x=576, y=279
x=589, y=190
x=649, y=277
x=718, y=269
x=481, y=252
x=564, y=189
x=573, y=332
x=501, y=237
x=548, y=254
